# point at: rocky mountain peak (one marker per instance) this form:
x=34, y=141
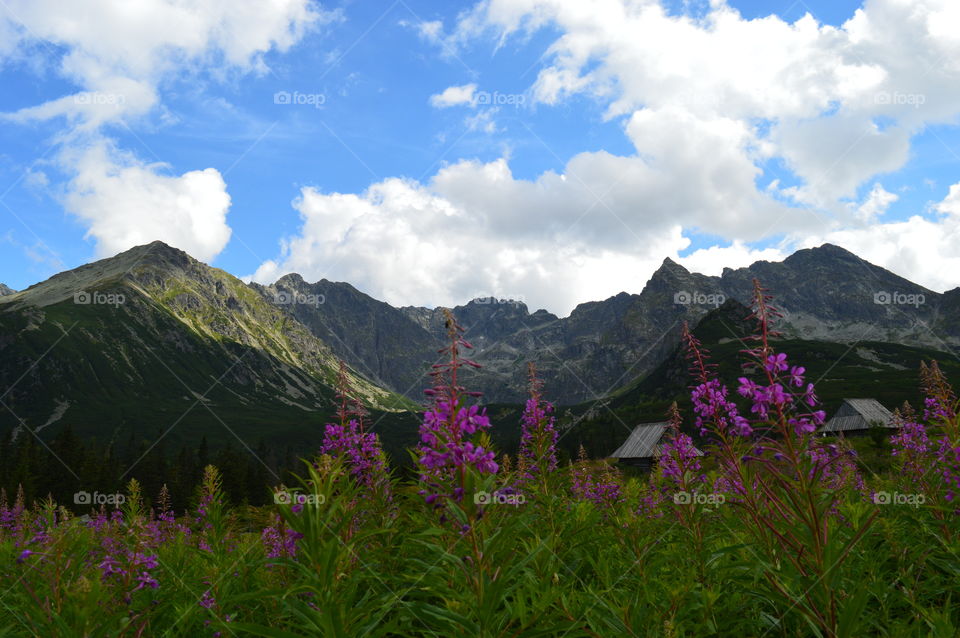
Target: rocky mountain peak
x=669, y=267
x=6, y=290
x=291, y=279
x=822, y=254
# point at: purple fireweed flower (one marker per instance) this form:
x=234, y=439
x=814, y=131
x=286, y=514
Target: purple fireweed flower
x=940, y=401
x=837, y=467
x=538, y=433
x=144, y=561
x=796, y=375
x=602, y=490
x=950, y=471
x=776, y=363
x=280, y=542
x=444, y=446
x=809, y=397
x=445, y=450
x=912, y=445
x=711, y=405
x=146, y=580
x=207, y=600
x=678, y=456
x=747, y=387
x=651, y=502
x=360, y=450
x=108, y=566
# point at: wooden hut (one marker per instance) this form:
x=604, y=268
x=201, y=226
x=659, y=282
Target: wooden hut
x=856, y=417
x=644, y=445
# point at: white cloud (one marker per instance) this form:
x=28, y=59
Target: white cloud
x=483, y=121
x=402, y=243
x=454, y=96
x=821, y=88
x=126, y=203
x=118, y=57
x=877, y=202
x=107, y=49
x=951, y=204
x=706, y=102
x=712, y=260
x=919, y=249
x=600, y=227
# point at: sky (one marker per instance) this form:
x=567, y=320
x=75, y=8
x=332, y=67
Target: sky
x=429, y=152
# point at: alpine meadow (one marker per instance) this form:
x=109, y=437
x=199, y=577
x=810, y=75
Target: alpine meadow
x=496, y=318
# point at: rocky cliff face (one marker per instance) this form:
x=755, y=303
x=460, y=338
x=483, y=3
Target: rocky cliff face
x=4, y=290
x=376, y=339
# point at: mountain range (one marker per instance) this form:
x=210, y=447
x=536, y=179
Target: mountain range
x=155, y=338
x=825, y=293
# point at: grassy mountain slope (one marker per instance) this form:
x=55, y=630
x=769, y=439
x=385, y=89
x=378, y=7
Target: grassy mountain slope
x=166, y=343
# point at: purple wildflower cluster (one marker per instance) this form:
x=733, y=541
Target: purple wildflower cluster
x=446, y=450
x=940, y=404
x=950, y=471
x=835, y=467
x=13, y=519
x=360, y=450
x=912, y=445
x=538, y=435
x=785, y=415
x=679, y=458
x=777, y=398
x=280, y=541
x=922, y=454
x=600, y=488
x=786, y=400
x=710, y=403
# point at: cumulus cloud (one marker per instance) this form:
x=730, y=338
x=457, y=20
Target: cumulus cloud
x=126, y=53
x=712, y=260
x=402, y=242
x=117, y=59
x=600, y=227
x=922, y=250
x=876, y=204
x=706, y=103
x=454, y=96
x=822, y=88
x=125, y=203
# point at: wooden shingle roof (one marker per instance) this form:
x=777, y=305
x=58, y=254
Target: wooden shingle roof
x=859, y=414
x=644, y=442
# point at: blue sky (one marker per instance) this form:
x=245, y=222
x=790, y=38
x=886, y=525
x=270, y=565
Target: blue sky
x=572, y=153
